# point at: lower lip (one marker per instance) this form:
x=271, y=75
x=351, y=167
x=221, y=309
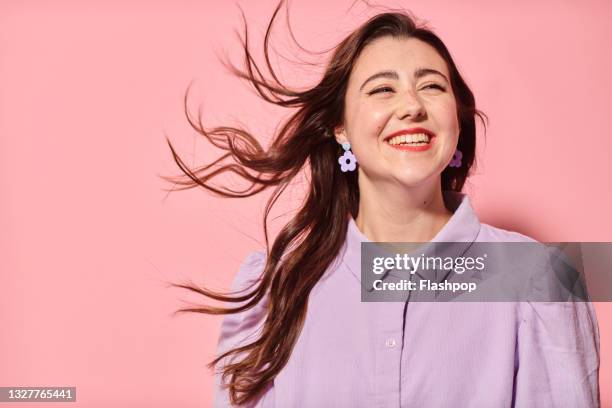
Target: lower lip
x=413, y=148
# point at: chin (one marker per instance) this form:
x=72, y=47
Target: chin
x=415, y=179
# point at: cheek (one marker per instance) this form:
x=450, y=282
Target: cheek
x=447, y=121
x=369, y=121
x=365, y=126
x=450, y=115
x=378, y=120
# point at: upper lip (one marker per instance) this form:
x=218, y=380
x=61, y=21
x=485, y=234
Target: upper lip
x=409, y=132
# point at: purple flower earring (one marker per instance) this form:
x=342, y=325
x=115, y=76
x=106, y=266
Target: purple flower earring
x=348, y=161
x=456, y=162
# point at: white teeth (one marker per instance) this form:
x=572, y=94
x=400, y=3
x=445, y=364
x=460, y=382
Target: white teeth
x=414, y=138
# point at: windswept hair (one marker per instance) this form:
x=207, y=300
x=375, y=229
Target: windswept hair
x=313, y=238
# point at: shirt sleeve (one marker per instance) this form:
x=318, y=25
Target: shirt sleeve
x=558, y=355
x=240, y=328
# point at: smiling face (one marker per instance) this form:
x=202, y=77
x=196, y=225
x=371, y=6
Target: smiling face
x=386, y=94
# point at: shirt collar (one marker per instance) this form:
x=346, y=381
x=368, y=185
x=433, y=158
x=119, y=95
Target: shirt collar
x=461, y=229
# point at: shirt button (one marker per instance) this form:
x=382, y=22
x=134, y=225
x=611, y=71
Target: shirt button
x=390, y=343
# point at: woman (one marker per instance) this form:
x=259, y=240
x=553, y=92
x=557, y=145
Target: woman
x=388, y=136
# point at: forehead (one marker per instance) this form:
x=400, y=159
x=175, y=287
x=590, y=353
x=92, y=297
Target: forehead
x=401, y=54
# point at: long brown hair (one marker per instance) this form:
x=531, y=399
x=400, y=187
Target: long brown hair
x=307, y=245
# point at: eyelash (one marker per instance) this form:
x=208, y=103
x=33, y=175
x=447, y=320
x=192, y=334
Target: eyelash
x=386, y=87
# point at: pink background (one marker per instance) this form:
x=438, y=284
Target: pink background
x=88, y=238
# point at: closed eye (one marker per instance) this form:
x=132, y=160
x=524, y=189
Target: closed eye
x=435, y=86
x=378, y=90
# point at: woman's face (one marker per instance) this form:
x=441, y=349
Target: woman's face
x=387, y=94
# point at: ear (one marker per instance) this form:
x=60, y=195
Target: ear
x=340, y=134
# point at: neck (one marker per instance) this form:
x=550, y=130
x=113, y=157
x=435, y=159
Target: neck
x=392, y=213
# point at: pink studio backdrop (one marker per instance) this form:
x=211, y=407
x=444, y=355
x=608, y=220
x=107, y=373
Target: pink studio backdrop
x=88, y=238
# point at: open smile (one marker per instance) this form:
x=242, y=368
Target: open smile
x=416, y=140
x=413, y=147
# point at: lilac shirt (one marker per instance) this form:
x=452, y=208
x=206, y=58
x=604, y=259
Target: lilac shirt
x=424, y=354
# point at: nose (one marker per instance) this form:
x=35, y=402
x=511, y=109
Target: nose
x=410, y=105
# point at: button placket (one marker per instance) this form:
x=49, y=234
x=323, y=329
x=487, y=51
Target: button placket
x=387, y=372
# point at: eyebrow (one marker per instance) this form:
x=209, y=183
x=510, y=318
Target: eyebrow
x=419, y=73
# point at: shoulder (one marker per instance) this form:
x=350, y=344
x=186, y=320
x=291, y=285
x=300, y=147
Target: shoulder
x=240, y=328
x=518, y=258
x=237, y=327
x=250, y=270
x=489, y=233
x=524, y=258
